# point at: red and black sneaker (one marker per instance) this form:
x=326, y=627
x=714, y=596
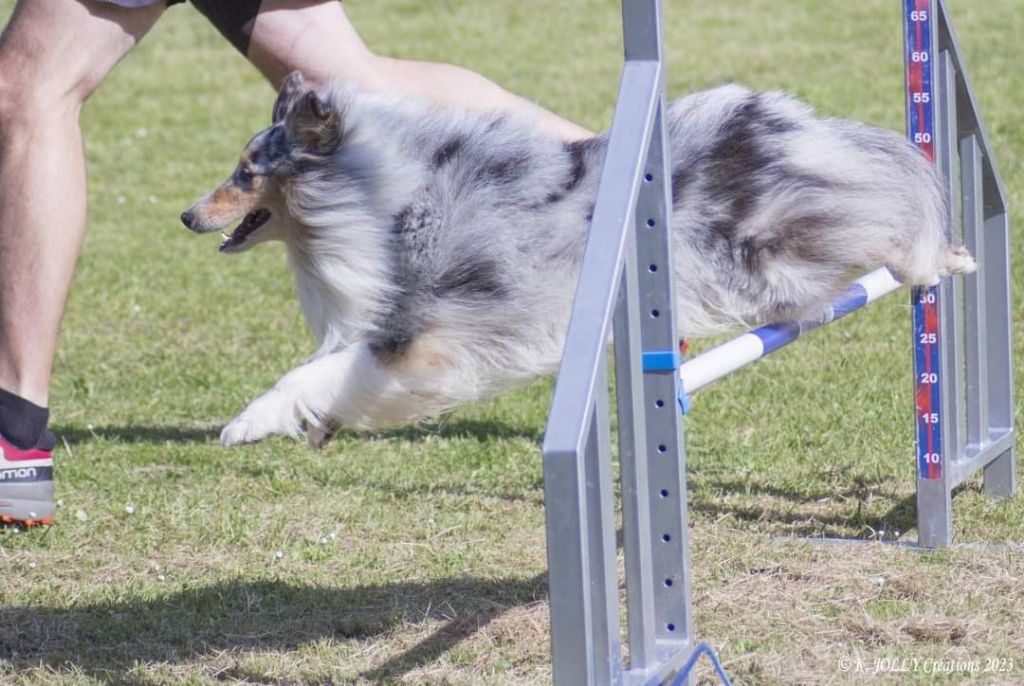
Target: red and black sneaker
x=26, y=482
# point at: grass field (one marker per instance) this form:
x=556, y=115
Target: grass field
x=417, y=556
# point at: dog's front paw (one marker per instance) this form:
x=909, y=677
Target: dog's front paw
x=242, y=430
x=268, y=415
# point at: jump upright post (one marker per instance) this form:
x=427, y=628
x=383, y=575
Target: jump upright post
x=630, y=227
x=962, y=365
x=963, y=357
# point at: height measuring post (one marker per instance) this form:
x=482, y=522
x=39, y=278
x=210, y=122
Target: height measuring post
x=920, y=46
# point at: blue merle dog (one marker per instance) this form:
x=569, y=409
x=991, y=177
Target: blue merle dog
x=436, y=251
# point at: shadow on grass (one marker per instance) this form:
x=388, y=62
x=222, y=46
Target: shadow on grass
x=481, y=430
x=447, y=429
x=527, y=491
x=105, y=640
x=901, y=516
x=813, y=511
x=76, y=435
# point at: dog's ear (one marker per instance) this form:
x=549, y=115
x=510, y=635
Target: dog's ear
x=291, y=89
x=316, y=122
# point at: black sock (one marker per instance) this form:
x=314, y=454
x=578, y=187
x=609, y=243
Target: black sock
x=21, y=422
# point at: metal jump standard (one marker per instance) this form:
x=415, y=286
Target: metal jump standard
x=962, y=367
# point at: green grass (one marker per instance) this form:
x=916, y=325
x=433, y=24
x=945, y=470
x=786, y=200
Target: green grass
x=417, y=556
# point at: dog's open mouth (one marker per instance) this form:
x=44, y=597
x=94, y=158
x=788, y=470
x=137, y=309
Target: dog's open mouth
x=252, y=221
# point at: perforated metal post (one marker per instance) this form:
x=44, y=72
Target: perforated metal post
x=657, y=550
x=625, y=280
x=652, y=455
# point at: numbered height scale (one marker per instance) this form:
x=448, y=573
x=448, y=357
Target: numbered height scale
x=921, y=131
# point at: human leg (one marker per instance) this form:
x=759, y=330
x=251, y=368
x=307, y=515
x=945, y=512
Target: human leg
x=53, y=54
x=316, y=37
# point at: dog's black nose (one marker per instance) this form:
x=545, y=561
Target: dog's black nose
x=187, y=218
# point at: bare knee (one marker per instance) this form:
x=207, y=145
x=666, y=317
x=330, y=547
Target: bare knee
x=25, y=103
x=53, y=55
x=34, y=85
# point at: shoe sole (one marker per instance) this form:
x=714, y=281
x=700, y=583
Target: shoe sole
x=27, y=504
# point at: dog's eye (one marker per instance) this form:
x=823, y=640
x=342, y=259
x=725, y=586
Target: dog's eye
x=245, y=174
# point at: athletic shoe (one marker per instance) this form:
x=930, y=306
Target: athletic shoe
x=26, y=482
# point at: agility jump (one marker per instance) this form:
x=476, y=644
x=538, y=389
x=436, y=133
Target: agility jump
x=962, y=367
x=962, y=349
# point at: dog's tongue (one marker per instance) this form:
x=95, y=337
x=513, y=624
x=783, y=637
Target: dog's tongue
x=252, y=221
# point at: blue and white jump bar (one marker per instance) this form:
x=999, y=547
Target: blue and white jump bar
x=720, y=361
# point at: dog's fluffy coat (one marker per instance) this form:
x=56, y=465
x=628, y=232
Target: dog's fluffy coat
x=436, y=251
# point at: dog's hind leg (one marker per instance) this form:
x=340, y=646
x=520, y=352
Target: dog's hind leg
x=318, y=435
x=958, y=261
x=925, y=267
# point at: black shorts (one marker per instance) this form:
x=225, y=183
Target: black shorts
x=233, y=18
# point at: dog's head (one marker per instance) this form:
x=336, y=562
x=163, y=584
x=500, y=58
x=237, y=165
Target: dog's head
x=303, y=123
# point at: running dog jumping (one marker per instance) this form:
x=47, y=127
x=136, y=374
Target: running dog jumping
x=436, y=252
